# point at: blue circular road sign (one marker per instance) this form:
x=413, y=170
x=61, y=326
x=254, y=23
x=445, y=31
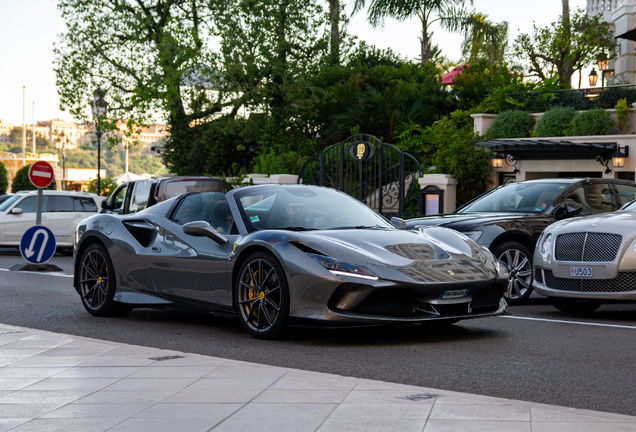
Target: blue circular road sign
x=37, y=245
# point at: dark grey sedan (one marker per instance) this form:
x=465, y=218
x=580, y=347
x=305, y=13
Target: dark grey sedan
x=278, y=255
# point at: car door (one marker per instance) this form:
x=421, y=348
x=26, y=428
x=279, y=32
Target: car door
x=63, y=218
x=15, y=225
x=186, y=266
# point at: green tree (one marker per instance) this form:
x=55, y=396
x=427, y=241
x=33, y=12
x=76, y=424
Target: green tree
x=21, y=181
x=491, y=44
x=564, y=47
x=107, y=186
x=4, y=181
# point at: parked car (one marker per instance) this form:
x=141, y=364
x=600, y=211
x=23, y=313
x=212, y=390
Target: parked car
x=137, y=195
x=510, y=218
x=61, y=212
x=583, y=262
x=272, y=254
x=3, y=198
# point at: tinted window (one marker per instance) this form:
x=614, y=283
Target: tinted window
x=118, y=200
x=595, y=198
x=172, y=188
x=81, y=204
x=625, y=193
x=29, y=204
x=518, y=198
x=62, y=204
x=141, y=192
x=211, y=207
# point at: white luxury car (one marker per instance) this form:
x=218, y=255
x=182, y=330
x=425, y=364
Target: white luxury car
x=583, y=262
x=61, y=212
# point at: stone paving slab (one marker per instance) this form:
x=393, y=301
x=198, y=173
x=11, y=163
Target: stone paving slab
x=53, y=382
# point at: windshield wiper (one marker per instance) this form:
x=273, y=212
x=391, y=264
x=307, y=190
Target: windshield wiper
x=359, y=227
x=297, y=229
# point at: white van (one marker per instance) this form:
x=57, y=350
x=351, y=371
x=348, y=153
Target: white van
x=61, y=212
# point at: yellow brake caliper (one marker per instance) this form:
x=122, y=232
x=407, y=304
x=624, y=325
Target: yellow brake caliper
x=252, y=294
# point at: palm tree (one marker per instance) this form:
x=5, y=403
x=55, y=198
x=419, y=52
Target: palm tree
x=450, y=13
x=486, y=40
x=334, y=20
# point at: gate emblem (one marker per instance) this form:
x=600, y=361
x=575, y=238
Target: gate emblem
x=361, y=151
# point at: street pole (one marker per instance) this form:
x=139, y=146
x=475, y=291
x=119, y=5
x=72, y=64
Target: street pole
x=34, y=148
x=23, y=125
x=99, y=139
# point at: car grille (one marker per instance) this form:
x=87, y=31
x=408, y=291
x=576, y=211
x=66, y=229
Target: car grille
x=385, y=303
x=587, y=247
x=623, y=283
x=538, y=276
x=487, y=298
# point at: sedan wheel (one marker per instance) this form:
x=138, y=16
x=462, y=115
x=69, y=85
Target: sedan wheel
x=97, y=283
x=518, y=260
x=262, y=296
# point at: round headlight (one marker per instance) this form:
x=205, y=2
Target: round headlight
x=545, y=244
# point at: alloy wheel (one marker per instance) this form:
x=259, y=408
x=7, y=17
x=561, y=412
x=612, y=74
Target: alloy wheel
x=259, y=295
x=94, y=279
x=520, y=271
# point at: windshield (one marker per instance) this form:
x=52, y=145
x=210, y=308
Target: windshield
x=631, y=206
x=176, y=187
x=517, y=198
x=7, y=203
x=304, y=208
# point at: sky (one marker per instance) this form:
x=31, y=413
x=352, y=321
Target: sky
x=29, y=28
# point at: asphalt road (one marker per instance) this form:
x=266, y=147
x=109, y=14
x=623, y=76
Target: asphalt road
x=538, y=354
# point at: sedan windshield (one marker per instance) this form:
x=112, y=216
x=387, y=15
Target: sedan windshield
x=7, y=203
x=304, y=208
x=517, y=198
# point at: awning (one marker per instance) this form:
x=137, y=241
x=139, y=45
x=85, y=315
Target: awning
x=447, y=79
x=538, y=149
x=630, y=35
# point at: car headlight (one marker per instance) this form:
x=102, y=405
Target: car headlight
x=341, y=268
x=473, y=235
x=546, y=243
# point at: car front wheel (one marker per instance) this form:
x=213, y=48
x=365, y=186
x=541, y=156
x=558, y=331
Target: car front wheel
x=262, y=296
x=518, y=260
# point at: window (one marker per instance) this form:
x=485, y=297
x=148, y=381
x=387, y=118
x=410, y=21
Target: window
x=625, y=194
x=141, y=192
x=118, y=200
x=29, y=204
x=595, y=198
x=81, y=204
x=211, y=207
x=62, y=204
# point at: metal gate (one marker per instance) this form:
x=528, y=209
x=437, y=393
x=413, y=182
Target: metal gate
x=376, y=173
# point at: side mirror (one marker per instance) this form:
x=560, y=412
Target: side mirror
x=16, y=211
x=573, y=209
x=399, y=223
x=203, y=229
x=105, y=205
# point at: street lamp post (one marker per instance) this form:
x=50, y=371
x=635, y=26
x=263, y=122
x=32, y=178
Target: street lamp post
x=99, y=112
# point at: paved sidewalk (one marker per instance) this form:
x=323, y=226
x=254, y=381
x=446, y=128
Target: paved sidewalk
x=57, y=382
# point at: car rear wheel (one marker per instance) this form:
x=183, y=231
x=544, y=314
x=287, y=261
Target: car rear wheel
x=97, y=283
x=262, y=296
x=518, y=260
x=573, y=305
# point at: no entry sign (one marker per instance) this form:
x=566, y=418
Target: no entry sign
x=41, y=174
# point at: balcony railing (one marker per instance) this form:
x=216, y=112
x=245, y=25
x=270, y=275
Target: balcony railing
x=582, y=99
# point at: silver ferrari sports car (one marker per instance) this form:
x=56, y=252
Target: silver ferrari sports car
x=583, y=262
x=278, y=255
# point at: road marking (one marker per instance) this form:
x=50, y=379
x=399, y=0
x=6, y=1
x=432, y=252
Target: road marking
x=570, y=322
x=41, y=273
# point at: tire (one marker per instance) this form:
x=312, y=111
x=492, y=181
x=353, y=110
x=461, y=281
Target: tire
x=573, y=305
x=97, y=283
x=518, y=259
x=261, y=296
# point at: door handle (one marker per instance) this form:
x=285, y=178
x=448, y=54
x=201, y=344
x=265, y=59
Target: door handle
x=156, y=249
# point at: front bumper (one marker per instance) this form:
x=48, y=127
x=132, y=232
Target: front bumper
x=622, y=287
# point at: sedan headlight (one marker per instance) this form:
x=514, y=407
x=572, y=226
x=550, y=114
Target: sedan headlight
x=473, y=235
x=546, y=244
x=341, y=268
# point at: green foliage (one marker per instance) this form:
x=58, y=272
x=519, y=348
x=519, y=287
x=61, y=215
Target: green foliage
x=106, y=184
x=511, y=124
x=21, y=181
x=562, y=48
x=455, y=155
x=622, y=114
x=4, y=181
x=556, y=122
x=593, y=122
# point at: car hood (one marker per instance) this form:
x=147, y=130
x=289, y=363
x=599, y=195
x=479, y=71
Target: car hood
x=621, y=222
x=464, y=220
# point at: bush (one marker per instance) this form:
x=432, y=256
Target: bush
x=511, y=124
x=593, y=122
x=622, y=114
x=556, y=122
x=21, y=181
x=4, y=182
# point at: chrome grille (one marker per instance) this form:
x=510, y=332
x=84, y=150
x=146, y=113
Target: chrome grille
x=623, y=283
x=587, y=247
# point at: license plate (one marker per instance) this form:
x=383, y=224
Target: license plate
x=454, y=294
x=580, y=271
